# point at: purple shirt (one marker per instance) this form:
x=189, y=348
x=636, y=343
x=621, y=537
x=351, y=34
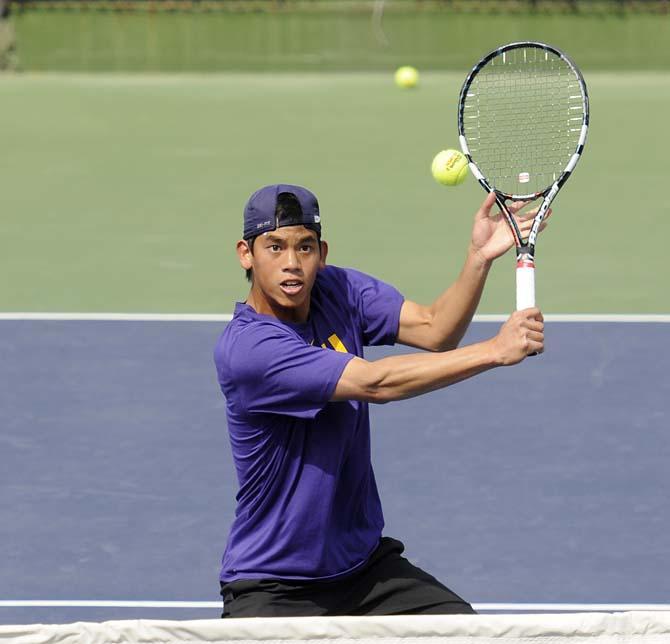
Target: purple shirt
x=308, y=506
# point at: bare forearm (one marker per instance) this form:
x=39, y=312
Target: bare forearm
x=442, y=325
x=452, y=312
x=406, y=376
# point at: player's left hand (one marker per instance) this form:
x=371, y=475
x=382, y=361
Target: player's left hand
x=491, y=236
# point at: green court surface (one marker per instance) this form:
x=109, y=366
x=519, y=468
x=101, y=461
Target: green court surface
x=125, y=192
x=340, y=37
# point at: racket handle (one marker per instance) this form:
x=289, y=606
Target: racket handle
x=525, y=282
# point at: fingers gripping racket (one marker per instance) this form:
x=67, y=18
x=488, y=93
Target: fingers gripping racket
x=523, y=115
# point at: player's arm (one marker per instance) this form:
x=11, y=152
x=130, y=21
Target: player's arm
x=441, y=326
x=406, y=376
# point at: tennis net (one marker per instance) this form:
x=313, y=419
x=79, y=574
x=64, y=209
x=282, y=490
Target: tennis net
x=582, y=628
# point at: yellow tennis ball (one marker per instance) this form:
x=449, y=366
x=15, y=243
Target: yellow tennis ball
x=450, y=167
x=406, y=77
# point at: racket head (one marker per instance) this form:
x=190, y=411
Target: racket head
x=523, y=115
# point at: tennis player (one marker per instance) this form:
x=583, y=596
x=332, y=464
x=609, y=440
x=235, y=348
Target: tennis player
x=307, y=534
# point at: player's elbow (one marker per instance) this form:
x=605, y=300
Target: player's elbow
x=435, y=341
x=364, y=381
x=442, y=339
x=378, y=388
x=380, y=395
x=443, y=344
x=431, y=333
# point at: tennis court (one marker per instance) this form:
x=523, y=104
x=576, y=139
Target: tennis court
x=122, y=196
x=118, y=484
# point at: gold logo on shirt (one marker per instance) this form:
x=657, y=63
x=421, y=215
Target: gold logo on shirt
x=336, y=343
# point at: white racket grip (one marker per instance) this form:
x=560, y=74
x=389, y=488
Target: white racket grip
x=525, y=283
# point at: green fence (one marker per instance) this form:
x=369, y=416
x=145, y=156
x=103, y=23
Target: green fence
x=321, y=36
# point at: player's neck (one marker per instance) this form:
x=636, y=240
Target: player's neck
x=266, y=306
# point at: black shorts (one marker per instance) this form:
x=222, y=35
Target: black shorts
x=387, y=584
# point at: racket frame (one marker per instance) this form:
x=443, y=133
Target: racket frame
x=525, y=249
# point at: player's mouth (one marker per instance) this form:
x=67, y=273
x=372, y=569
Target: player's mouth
x=291, y=287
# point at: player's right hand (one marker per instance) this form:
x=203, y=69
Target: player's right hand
x=522, y=335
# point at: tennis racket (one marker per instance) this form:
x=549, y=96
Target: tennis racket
x=523, y=115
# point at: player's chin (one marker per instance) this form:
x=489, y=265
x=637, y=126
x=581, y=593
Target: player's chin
x=292, y=297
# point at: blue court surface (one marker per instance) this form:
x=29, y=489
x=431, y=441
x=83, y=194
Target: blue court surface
x=545, y=482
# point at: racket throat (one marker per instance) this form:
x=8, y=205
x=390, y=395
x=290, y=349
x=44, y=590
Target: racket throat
x=525, y=254
x=525, y=278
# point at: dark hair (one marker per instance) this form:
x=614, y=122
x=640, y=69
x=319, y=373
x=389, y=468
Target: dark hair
x=288, y=212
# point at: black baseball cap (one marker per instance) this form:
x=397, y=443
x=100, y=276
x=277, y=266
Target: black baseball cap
x=260, y=211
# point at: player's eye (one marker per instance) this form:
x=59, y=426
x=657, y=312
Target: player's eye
x=275, y=248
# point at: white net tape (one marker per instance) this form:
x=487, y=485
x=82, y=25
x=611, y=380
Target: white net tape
x=587, y=628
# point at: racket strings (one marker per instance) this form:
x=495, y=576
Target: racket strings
x=522, y=119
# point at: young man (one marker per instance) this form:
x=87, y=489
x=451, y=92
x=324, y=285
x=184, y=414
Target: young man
x=307, y=535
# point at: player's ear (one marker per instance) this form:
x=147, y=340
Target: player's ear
x=324, y=254
x=244, y=254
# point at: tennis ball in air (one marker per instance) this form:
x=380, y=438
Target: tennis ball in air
x=450, y=167
x=406, y=77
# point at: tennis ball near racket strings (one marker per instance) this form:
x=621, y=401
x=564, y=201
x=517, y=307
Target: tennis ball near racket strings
x=406, y=77
x=450, y=167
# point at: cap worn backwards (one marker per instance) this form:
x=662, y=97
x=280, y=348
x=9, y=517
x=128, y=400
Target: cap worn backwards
x=260, y=211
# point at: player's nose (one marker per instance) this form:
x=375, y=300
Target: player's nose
x=292, y=260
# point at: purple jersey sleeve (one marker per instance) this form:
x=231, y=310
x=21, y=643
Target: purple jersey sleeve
x=276, y=372
x=378, y=305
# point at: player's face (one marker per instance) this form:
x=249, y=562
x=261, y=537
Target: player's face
x=285, y=263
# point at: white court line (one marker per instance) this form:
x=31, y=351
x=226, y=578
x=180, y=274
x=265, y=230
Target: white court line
x=586, y=317
x=227, y=317
x=508, y=607
x=570, y=608
x=120, y=317
x=102, y=603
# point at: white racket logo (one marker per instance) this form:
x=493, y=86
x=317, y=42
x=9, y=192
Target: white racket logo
x=524, y=177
